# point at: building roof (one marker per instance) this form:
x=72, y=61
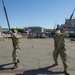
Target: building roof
x=33, y=27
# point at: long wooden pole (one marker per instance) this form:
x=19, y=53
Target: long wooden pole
x=6, y=14
x=65, y=30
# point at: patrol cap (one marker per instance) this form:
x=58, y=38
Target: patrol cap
x=15, y=31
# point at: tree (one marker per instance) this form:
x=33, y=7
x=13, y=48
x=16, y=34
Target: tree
x=52, y=32
x=21, y=30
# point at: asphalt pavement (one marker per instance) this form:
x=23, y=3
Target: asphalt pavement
x=36, y=57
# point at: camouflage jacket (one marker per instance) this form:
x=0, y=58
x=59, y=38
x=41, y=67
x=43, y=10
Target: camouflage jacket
x=16, y=42
x=57, y=40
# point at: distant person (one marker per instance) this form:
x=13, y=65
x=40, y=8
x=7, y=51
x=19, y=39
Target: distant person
x=16, y=48
x=61, y=50
x=2, y=37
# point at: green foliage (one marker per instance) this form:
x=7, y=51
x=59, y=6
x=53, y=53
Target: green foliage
x=52, y=32
x=13, y=29
x=21, y=30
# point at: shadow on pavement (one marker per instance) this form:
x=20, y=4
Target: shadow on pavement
x=2, y=67
x=40, y=72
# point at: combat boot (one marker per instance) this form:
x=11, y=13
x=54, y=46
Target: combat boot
x=55, y=64
x=15, y=66
x=66, y=72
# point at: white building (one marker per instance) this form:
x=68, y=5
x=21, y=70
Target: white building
x=36, y=31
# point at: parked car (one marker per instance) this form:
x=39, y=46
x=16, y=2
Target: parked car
x=72, y=39
x=72, y=35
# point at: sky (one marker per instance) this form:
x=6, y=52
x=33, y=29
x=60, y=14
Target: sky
x=43, y=13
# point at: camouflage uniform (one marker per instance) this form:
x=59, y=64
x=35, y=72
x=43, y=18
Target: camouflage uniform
x=16, y=47
x=60, y=51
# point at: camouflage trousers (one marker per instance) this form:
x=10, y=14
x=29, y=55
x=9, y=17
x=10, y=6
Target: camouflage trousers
x=62, y=55
x=15, y=55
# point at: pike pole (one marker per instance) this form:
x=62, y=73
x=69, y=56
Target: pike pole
x=6, y=14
